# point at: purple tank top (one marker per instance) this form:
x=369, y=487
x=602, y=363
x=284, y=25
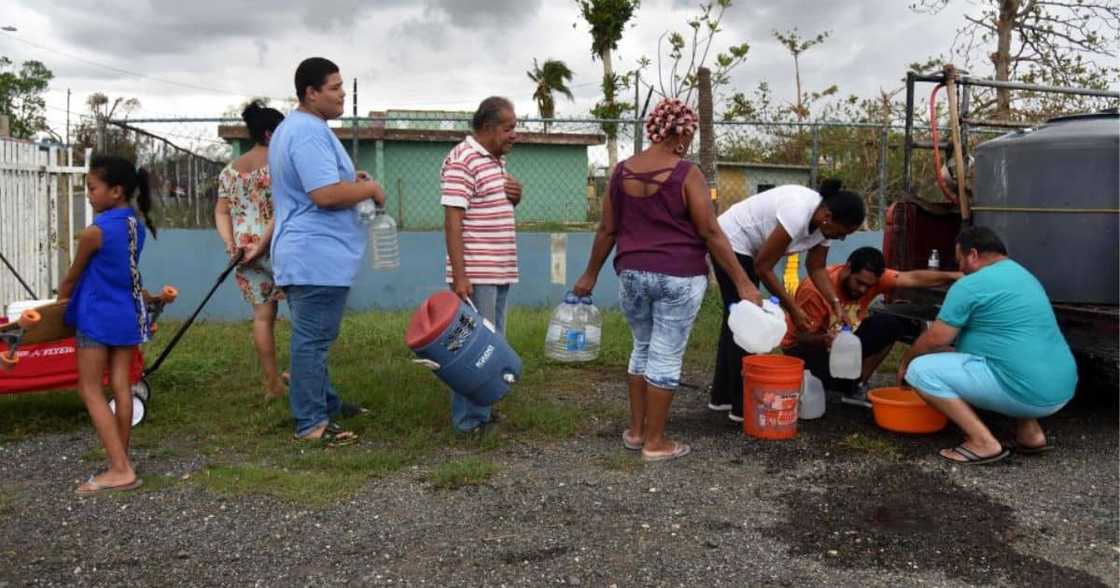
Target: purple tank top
x=655, y=233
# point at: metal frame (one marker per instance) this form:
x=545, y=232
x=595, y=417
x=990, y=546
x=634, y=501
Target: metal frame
x=967, y=124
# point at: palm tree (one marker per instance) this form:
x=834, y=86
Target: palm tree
x=608, y=19
x=553, y=76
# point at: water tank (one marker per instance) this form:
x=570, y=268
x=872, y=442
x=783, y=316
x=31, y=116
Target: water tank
x=1052, y=194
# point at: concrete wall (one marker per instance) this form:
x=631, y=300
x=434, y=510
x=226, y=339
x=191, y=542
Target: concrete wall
x=192, y=259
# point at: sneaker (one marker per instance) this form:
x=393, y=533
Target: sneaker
x=719, y=407
x=858, y=397
x=738, y=418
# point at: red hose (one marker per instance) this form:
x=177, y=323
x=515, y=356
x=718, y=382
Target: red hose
x=937, y=147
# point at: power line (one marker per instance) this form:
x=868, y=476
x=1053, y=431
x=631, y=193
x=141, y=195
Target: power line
x=210, y=89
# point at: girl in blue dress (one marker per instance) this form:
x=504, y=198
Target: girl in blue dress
x=107, y=308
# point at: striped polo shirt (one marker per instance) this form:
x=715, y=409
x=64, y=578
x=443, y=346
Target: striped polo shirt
x=473, y=179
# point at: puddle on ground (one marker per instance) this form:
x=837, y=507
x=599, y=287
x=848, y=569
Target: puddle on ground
x=901, y=518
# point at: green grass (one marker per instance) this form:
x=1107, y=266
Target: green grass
x=628, y=462
x=207, y=399
x=469, y=471
x=871, y=444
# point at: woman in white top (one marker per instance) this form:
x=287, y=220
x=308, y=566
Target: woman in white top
x=762, y=229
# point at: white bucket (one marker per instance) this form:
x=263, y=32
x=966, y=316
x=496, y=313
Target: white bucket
x=16, y=308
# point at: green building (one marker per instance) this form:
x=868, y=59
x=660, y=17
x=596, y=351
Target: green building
x=405, y=156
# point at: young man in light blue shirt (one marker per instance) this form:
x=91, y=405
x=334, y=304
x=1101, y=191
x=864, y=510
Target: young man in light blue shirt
x=318, y=240
x=1009, y=356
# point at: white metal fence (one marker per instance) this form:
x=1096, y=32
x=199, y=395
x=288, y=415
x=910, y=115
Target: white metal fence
x=42, y=209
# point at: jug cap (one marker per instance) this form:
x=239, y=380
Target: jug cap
x=846, y=328
x=585, y=299
x=775, y=300
x=571, y=298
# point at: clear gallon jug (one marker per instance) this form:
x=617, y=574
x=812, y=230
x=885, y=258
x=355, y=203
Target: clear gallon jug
x=574, y=331
x=845, y=361
x=385, y=251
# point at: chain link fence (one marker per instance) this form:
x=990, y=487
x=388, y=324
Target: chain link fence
x=563, y=164
x=184, y=184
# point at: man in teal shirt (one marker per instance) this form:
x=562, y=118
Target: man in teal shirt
x=1009, y=356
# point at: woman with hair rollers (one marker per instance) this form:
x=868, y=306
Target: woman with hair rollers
x=762, y=229
x=107, y=308
x=661, y=219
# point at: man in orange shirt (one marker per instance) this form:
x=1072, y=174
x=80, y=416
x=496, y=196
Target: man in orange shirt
x=857, y=284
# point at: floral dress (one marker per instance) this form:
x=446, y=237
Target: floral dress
x=249, y=195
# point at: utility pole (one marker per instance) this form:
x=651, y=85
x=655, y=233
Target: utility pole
x=707, y=132
x=354, y=127
x=67, y=117
x=637, y=113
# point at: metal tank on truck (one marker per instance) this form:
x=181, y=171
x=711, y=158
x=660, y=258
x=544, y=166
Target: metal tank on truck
x=1050, y=190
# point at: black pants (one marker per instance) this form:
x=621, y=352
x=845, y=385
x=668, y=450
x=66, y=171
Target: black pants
x=727, y=382
x=877, y=333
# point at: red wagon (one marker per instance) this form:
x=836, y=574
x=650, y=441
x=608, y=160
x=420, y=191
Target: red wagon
x=53, y=364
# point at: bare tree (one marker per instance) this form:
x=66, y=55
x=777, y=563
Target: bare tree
x=793, y=43
x=1055, y=42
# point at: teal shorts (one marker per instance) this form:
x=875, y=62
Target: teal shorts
x=969, y=378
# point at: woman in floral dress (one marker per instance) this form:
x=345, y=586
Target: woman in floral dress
x=244, y=220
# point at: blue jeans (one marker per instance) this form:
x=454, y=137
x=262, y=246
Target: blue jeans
x=661, y=310
x=316, y=317
x=490, y=300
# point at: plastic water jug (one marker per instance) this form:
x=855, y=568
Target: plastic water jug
x=811, y=402
x=574, y=331
x=757, y=329
x=385, y=251
x=462, y=348
x=845, y=361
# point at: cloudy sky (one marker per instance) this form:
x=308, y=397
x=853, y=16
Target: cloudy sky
x=199, y=57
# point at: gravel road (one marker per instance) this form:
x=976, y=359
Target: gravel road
x=842, y=504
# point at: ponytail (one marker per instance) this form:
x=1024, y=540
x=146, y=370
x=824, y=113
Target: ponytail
x=118, y=171
x=144, y=200
x=846, y=207
x=830, y=187
x=261, y=120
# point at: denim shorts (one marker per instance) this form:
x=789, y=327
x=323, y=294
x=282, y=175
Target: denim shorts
x=661, y=310
x=969, y=378
x=86, y=342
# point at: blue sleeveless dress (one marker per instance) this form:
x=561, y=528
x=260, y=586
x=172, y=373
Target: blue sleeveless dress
x=107, y=304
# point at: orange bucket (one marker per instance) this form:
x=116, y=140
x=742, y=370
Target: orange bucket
x=903, y=411
x=771, y=385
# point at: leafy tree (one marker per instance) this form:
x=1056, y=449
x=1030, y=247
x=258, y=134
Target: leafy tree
x=608, y=20
x=21, y=96
x=550, y=78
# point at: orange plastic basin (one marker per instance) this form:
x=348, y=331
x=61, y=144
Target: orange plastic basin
x=903, y=411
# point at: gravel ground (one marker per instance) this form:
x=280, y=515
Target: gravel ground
x=818, y=509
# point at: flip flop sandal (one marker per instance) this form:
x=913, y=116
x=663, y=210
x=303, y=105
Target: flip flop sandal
x=970, y=458
x=679, y=450
x=96, y=488
x=627, y=444
x=333, y=436
x=349, y=409
x=1021, y=449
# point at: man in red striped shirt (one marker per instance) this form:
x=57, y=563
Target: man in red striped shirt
x=478, y=196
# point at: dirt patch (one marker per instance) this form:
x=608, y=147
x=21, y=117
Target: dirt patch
x=904, y=519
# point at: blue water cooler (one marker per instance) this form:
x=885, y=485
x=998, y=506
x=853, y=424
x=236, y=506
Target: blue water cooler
x=449, y=336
